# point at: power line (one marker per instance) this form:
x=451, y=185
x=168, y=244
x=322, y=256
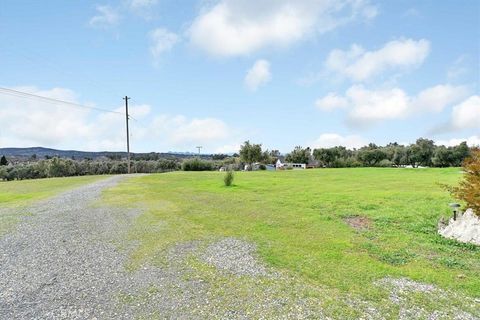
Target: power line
x=20, y=94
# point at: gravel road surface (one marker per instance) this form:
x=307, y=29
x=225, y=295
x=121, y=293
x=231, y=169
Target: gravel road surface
x=63, y=260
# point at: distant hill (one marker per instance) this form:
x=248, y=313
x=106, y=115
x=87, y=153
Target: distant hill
x=40, y=152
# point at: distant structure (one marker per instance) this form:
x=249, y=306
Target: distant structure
x=279, y=165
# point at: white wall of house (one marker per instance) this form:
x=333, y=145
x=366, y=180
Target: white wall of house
x=294, y=166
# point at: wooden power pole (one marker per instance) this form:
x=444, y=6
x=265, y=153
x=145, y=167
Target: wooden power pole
x=128, y=135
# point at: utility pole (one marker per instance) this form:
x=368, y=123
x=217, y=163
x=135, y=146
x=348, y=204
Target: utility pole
x=128, y=135
x=199, y=148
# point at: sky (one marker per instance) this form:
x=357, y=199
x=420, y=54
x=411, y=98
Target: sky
x=215, y=73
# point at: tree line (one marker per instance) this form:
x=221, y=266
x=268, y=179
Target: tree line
x=60, y=167
x=423, y=152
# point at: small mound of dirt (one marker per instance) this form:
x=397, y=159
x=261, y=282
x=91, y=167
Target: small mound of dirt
x=359, y=223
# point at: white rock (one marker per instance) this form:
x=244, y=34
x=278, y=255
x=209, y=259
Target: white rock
x=465, y=229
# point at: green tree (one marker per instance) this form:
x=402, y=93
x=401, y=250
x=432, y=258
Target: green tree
x=442, y=156
x=3, y=161
x=399, y=155
x=327, y=156
x=460, y=153
x=299, y=155
x=422, y=152
x=371, y=155
x=251, y=153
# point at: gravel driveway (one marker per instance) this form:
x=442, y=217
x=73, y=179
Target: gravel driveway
x=63, y=261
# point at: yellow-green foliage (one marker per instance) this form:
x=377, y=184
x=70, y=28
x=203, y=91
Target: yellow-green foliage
x=469, y=188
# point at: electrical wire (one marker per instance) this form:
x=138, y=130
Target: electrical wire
x=20, y=94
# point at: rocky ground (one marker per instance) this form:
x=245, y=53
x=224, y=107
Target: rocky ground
x=67, y=260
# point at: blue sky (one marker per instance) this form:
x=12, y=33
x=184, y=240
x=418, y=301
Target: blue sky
x=216, y=73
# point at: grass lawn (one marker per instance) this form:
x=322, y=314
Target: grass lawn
x=19, y=194
x=297, y=219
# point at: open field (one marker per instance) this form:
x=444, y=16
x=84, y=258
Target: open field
x=19, y=194
x=342, y=229
x=319, y=244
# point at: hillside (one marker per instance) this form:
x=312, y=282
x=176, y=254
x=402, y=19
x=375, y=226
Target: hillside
x=40, y=152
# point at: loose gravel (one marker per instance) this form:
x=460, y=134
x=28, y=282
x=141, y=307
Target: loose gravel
x=63, y=261
x=235, y=256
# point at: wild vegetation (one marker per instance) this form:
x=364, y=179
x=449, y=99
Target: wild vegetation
x=468, y=189
x=228, y=179
x=58, y=167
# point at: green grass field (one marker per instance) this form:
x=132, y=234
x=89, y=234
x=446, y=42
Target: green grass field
x=333, y=233
x=19, y=194
x=297, y=219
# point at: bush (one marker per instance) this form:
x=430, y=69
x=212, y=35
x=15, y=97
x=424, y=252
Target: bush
x=469, y=188
x=385, y=163
x=228, y=179
x=197, y=164
x=262, y=167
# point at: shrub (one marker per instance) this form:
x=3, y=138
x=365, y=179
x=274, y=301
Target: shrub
x=385, y=163
x=262, y=167
x=197, y=164
x=228, y=179
x=469, y=188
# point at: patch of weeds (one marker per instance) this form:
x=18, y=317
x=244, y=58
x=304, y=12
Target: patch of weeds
x=396, y=258
x=452, y=262
x=424, y=227
x=369, y=207
x=393, y=257
x=438, y=239
x=385, y=221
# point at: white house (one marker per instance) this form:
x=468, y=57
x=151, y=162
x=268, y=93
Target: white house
x=286, y=165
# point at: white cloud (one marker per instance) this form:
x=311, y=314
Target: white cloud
x=367, y=106
x=161, y=41
x=183, y=131
x=32, y=122
x=229, y=148
x=329, y=140
x=106, y=17
x=437, y=97
x=374, y=105
x=258, y=75
x=142, y=4
x=240, y=27
x=459, y=68
x=360, y=65
x=142, y=8
x=331, y=101
x=471, y=141
x=467, y=114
